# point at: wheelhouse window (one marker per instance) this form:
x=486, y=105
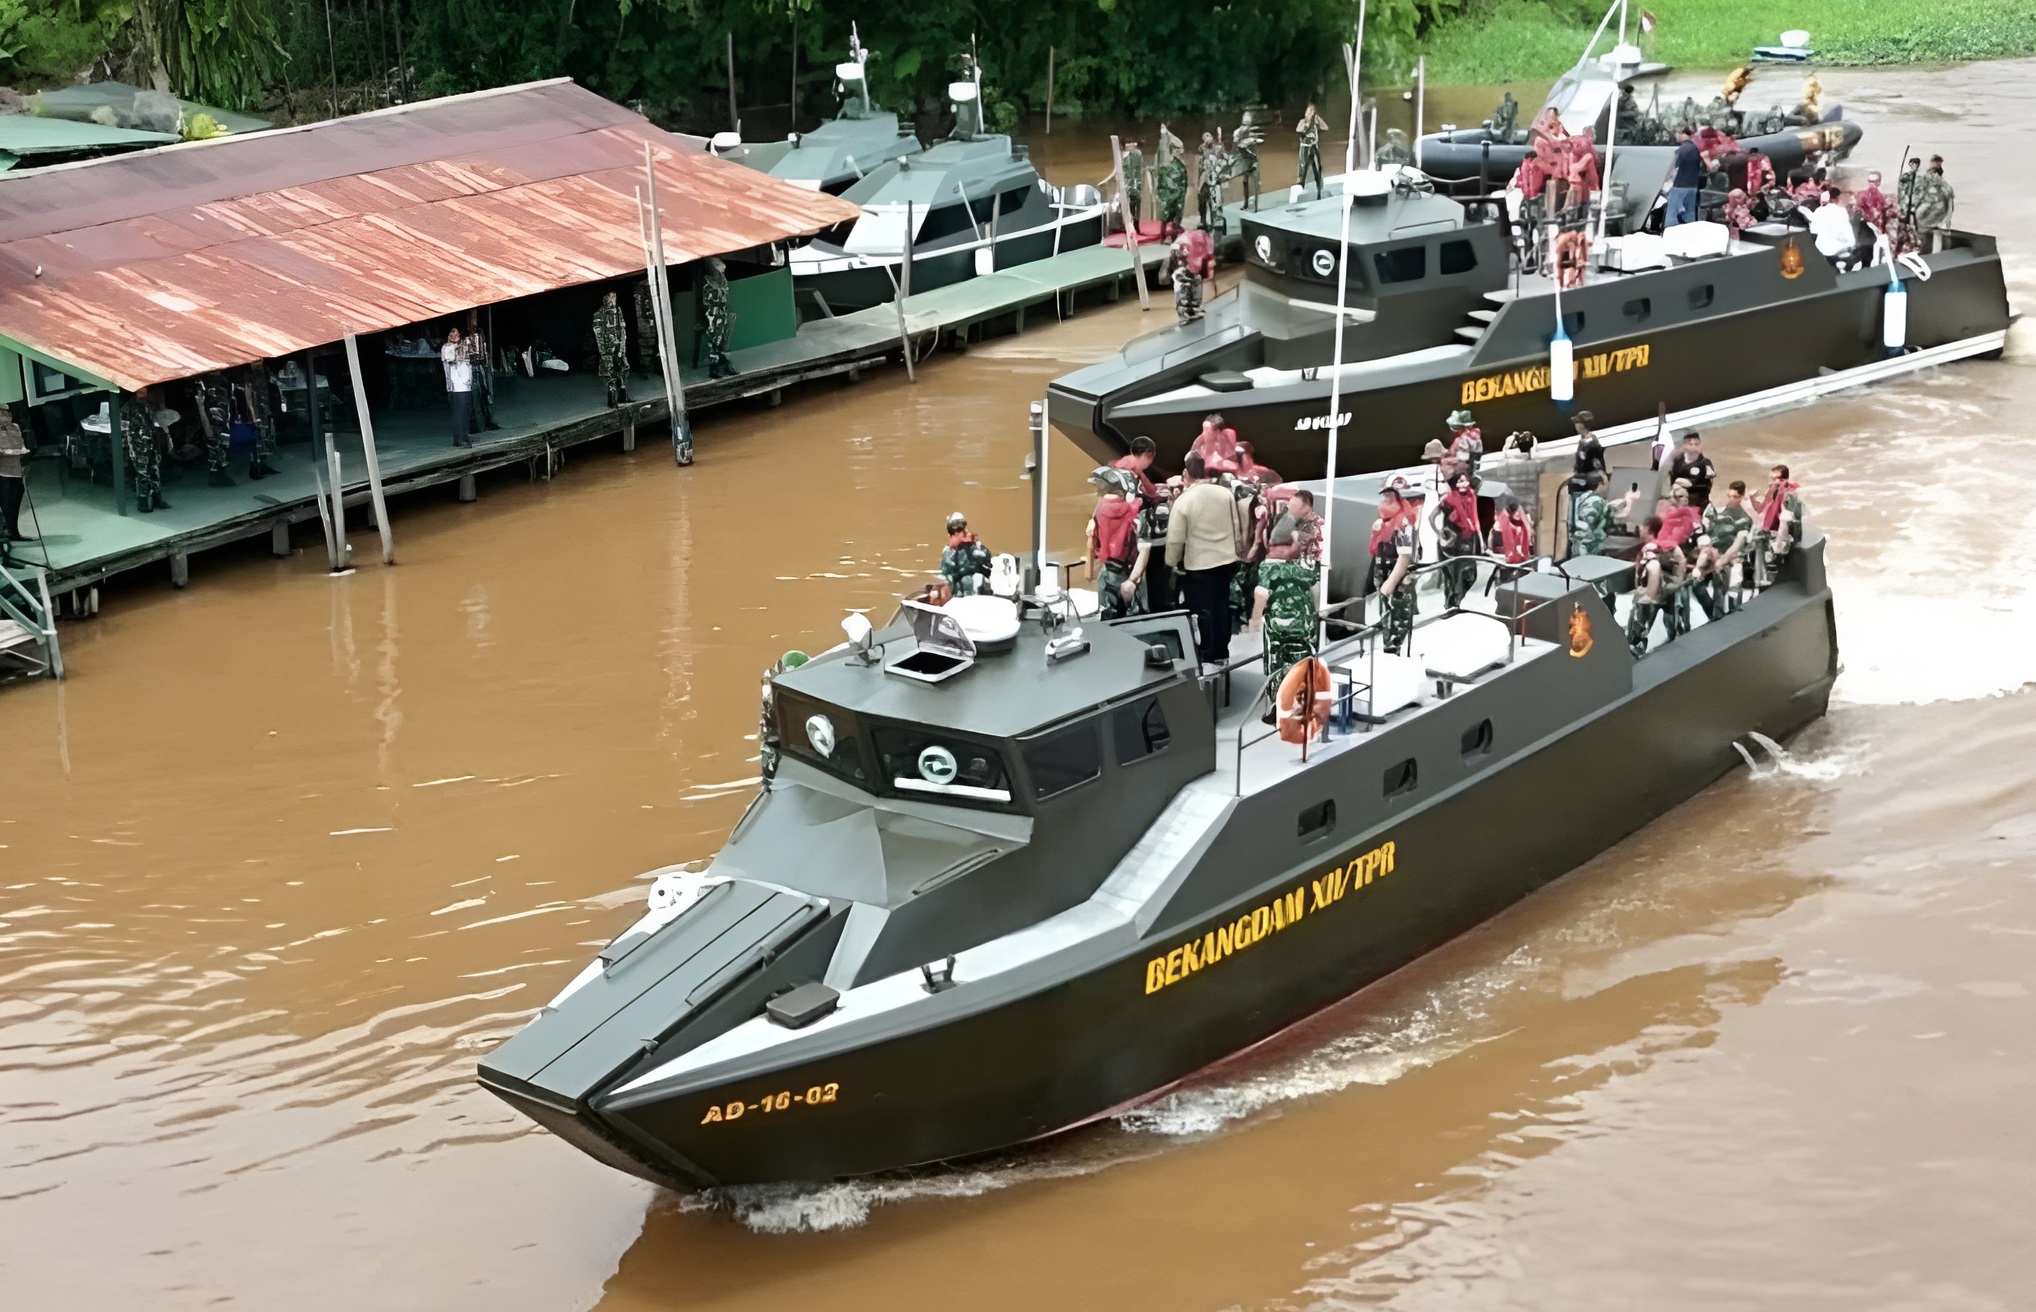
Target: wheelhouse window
x=1012, y=201
x=1407, y=264
x=918, y=762
x=1458, y=257
x=821, y=735
x=1062, y=759
x=1139, y=730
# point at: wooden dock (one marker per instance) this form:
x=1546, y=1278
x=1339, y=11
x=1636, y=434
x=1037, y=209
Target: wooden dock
x=86, y=540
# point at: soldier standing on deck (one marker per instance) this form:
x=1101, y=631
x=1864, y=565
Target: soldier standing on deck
x=1462, y=535
x=1650, y=586
x=1187, y=286
x=1209, y=184
x=1392, y=559
x=1133, y=180
x=1283, y=609
x=965, y=561
x=1170, y=175
x=144, y=452
x=610, y=337
x=1311, y=127
x=1118, y=552
x=715, y=319
x=214, y=406
x=1466, y=442
x=646, y=330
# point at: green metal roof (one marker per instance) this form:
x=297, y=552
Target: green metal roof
x=31, y=134
x=77, y=103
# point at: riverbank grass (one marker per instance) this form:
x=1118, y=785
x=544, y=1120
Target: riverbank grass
x=1528, y=40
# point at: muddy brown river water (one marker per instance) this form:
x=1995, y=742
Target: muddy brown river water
x=287, y=853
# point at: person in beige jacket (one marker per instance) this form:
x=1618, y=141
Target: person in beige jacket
x=1201, y=544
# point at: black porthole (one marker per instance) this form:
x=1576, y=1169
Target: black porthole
x=1477, y=740
x=1402, y=778
x=1316, y=821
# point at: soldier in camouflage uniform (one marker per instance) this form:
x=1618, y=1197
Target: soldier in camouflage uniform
x=1133, y=180
x=965, y=561
x=1120, y=544
x=610, y=341
x=251, y=406
x=1187, y=291
x=1284, y=612
x=714, y=320
x=646, y=330
x=1592, y=518
x=1392, y=564
x=1209, y=184
x=1651, y=586
x=214, y=418
x=1170, y=176
x=144, y=451
x=1310, y=128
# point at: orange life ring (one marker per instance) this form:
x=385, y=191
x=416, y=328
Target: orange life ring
x=1308, y=682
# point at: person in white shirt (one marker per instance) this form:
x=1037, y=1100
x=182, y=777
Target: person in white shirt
x=459, y=386
x=1831, y=230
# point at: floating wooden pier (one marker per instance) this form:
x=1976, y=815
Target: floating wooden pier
x=85, y=540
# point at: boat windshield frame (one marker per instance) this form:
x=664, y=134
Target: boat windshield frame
x=985, y=778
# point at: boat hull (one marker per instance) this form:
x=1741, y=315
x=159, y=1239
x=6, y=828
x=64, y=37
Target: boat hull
x=1080, y=1048
x=1688, y=366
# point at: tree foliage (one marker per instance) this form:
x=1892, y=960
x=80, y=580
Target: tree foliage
x=1145, y=57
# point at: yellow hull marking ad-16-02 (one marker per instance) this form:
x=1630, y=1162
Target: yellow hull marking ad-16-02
x=1261, y=922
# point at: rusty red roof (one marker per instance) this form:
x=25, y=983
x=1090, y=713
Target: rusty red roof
x=148, y=267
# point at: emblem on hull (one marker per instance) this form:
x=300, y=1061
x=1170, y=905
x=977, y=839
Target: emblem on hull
x=1579, y=632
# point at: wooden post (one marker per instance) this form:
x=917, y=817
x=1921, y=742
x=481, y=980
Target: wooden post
x=1049, y=91
x=734, y=119
x=904, y=293
x=1130, y=224
x=661, y=309
x=360, y=405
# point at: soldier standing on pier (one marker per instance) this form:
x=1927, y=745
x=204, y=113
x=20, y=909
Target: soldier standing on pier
x=1133, y=181
x=715, y=320
x=610, y=337
x=252, y=397
x=144, y=452
x=1170, y=176
x=646, y=330
x=1311, y=127
x=214, y=406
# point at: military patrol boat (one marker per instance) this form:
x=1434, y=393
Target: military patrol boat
x=1012, y=872
x=969, y=205
x=1441, y=314
x=840, y=152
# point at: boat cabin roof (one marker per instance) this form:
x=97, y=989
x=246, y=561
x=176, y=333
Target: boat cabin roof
x=1395, y=215
x=1003, y=694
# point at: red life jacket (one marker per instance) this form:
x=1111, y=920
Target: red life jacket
x=1677, y=523
x=1778, y=492
x=1515, y=545
x=1218, y=449
x=1116, y=531
x=1461, y=509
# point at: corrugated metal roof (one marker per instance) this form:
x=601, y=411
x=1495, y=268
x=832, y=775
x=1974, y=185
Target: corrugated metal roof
x=199, y=256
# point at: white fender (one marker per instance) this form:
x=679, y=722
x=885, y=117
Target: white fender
x=1894, y=316
x=1561, y=368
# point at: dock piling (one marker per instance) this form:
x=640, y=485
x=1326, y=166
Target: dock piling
x=279, y=538
x=629, y=435
x=1130, y=223
x=468, y=489
x=360, y=400
x=180, y=569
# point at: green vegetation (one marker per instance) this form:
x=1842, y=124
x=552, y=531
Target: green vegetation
x=670, y=56
x=1537, y=39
